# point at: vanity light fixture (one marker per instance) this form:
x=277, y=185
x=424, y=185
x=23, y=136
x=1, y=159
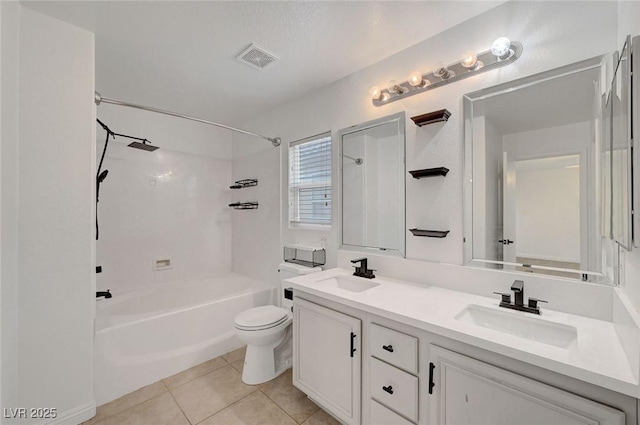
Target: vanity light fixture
x=502, y=53
x=395, y=88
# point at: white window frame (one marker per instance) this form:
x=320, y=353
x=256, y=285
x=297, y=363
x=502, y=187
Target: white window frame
x=293, y=189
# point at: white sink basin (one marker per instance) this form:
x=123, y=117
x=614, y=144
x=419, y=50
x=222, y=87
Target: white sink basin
x=348, y=283
x=519, y=324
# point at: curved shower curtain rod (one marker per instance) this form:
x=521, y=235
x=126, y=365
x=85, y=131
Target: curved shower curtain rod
x=100, y=99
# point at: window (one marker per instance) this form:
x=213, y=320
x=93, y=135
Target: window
x=310, y=181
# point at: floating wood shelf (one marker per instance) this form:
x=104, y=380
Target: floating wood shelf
x=244, y=205
x=429, y=233
x=431, y=117
x=429, y=172
x=240, y=184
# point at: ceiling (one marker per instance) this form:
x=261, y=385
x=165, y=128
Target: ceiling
x=180, y=55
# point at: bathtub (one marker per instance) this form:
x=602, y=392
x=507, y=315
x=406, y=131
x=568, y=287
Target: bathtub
x=147, y=334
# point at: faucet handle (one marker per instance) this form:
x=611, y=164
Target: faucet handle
x=533, y=302
x=506, y=297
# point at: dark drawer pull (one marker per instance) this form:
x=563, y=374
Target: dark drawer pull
x=389, y=348
x=388, y=389
x=431, y=383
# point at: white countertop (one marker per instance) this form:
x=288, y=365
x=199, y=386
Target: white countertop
x=596, y=356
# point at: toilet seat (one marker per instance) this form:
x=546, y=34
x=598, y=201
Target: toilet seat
x=260, y=318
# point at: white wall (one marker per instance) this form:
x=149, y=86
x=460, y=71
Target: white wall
x=47, y=214
x=9, y=15
x=552, y=33
x=168, y=204
x=256, y=247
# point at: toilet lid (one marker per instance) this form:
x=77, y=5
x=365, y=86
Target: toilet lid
x=260, y=317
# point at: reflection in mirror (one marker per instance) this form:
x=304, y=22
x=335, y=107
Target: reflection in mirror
x=533, y=173
x=620, y=154
x=373, y=177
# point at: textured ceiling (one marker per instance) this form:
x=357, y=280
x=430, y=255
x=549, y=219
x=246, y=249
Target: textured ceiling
x=181, y=55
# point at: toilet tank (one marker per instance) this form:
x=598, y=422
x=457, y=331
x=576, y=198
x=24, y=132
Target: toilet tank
x=288, y=271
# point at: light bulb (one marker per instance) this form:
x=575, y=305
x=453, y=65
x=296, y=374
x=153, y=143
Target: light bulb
x=396, y=88
x=375, y=92
x=470, y=59
x=441, y=71
x=415, y=79
x=501, y=47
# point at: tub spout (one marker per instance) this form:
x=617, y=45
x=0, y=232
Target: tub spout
x=105, y=294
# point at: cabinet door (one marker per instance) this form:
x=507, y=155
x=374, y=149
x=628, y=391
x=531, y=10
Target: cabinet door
x=467, y=391
x=326, y=358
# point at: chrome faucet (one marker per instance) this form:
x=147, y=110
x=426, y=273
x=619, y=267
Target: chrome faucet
x=362, y=270
x=518, y=304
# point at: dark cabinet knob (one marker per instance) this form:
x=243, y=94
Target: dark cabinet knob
x=505, y=241
x=388, y=389
x=389, y=348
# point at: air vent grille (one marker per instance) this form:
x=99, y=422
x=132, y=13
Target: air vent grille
x=256, y=57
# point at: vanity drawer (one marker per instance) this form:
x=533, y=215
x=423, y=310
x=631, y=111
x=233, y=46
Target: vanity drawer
x=380, y=415
x=394, y=347
x=401, y=392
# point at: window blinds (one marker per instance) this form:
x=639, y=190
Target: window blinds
x=310, y=180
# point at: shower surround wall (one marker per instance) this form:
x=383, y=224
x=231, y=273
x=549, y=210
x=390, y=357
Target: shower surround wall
x=171, y=204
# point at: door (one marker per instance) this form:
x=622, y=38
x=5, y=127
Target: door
x=327, y=358
x=467, y=391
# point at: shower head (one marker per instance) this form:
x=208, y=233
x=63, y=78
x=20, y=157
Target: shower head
x=102, y=176
x=144, y=146
x=358, y=161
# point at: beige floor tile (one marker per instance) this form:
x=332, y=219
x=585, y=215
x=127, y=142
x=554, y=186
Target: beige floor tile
x=238, y=365
x=321, y=418
x=100, y=416
x=235, y=355
x=161, y=410
x=255, y=409
x=289, y=398
x=131, y=399
x=211, y=393
x=194, y=372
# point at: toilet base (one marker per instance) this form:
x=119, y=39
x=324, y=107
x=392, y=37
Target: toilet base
x=263, y=363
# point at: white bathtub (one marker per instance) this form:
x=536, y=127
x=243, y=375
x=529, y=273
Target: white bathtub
x=147, y=334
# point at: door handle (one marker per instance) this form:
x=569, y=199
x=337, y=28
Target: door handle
x=431, y=383
x=388, y=389
x=388, y=348
x=353, y=349
x=505, y=241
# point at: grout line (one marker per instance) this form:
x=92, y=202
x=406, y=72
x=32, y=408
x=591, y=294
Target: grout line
x=226, y=407
x=284, y=410
x=196, y=377
x=180, y=407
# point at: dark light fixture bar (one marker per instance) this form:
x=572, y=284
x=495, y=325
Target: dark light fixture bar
x=502, y=53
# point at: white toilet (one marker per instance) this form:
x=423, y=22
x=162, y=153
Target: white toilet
x=267, y=332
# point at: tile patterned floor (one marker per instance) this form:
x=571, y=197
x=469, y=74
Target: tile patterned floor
x=212, y=393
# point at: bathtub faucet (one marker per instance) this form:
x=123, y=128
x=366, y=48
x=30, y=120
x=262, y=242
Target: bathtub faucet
x=105, y=294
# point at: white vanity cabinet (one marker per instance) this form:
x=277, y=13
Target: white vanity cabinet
x=327, y=358
x=467, y=391
x=392, y=359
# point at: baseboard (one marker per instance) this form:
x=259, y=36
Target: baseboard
x=74, y=416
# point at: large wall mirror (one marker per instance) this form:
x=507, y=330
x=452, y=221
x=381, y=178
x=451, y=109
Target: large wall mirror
x=372, y=163
x=536, y=153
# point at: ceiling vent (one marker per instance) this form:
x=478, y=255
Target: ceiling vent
x=256, y=57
